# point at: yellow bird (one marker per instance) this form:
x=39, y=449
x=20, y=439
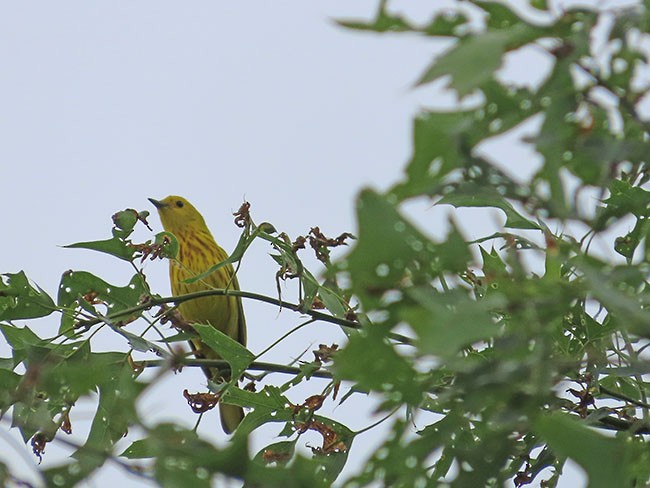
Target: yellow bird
x=198, y=251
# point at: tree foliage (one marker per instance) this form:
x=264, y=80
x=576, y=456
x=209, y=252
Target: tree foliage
x=496, y=359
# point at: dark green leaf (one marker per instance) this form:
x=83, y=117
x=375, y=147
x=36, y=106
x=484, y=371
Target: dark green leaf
x=116, y=411
x=444, y=143
x=623, y=199
x=390, y=248
x=499, y=16
x=183, y=459
x=446, y=322
x=8, y=384
x=32, y=417
x=371, y=362
x=605, y=459
x=20, y=300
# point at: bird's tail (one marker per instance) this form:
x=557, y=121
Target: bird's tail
x=231, y=416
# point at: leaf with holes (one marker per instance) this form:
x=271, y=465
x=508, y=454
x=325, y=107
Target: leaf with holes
x=80, y=289
x=391, y=252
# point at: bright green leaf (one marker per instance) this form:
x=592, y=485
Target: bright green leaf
x=229, y=349
x=113, y=246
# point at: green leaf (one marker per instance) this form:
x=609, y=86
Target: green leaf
x=180, y=337
x=140, y=449
x=499, y=16
x=437, y=138
x=623, y=199
x=627, y=244
x=82, y=289
x=446, y=322
x=8, y=385
x=268, y=405
x=605, y=459
x=442, y=24
x=116, y=411
x=324, y=466
x=617, y=294
x=5, y=475
x=330, y=464
x=169, y=244
x=113, y=246
x=20, y=300
x=390, y=248
x=333, y=302
x=193, y=455
x=182, y=458
x=118, y=246
x=472, y=61
x=279, y=453
x=21, y=338
x=383, y=22
x=375, y=365
x=475, y=196
x=229, y=349
x=444, y=143
x=137, y=342
x=126, y=219
x=32, y=417
x=66, y=377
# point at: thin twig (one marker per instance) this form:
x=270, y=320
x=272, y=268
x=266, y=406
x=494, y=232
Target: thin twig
x=315, y=314
x=224, y=365
x=625, y=398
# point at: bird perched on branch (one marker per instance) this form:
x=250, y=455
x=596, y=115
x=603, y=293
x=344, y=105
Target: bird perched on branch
x=198, y=251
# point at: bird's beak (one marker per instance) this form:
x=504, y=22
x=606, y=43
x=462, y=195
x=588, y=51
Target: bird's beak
x=157, y=203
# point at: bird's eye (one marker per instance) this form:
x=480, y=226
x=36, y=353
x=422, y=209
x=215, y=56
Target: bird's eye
x=179, y=204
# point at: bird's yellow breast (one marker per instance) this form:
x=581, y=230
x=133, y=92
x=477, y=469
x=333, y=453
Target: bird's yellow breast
x=197, y=253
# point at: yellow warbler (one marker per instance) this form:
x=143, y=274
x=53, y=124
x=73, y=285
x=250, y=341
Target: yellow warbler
x=197, y=252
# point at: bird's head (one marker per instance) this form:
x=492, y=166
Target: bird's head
x=176, y=213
